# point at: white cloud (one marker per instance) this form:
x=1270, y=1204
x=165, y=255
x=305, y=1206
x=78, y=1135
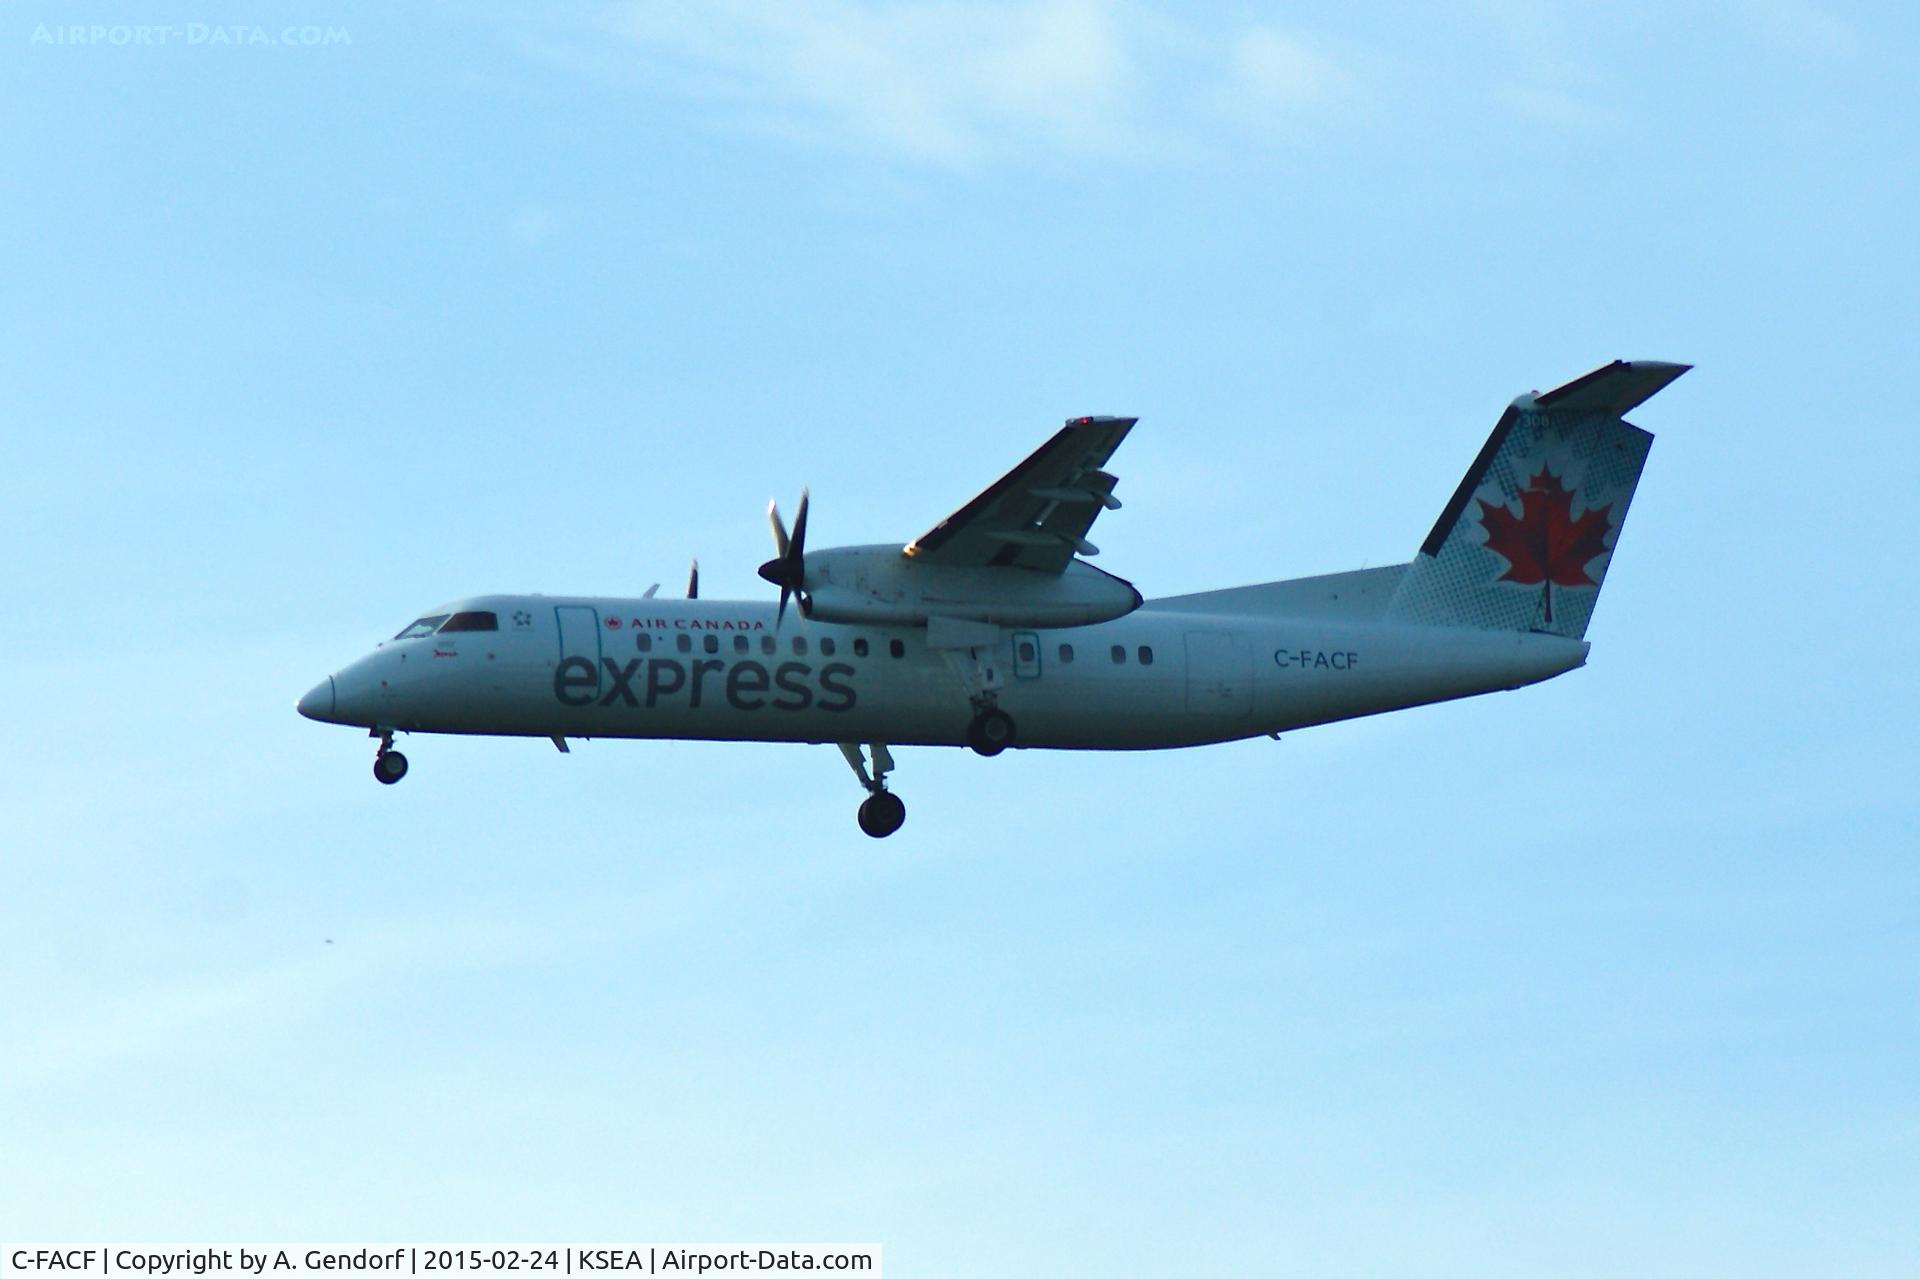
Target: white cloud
x=1282, y=83
x=944, y=83
x=962, y=85
x=1275, y=68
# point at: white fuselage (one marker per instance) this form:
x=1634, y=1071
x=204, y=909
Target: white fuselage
x=1172, y=673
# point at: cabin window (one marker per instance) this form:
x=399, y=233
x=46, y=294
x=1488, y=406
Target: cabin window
x=425, y=626
x=643, y=642
x=799, y=646
x=684, y=643
x=1066, y=653
x=739, y=643
x=826, y=648
x=472, y=622
x=860, y=647
x=1146, y=655
x=767, y=645
x=1119, y=654
x=1029, y=652
x=897, y=648
x=711, y=643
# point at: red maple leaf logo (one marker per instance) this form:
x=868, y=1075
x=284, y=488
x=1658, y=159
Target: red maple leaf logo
x=1544, y=543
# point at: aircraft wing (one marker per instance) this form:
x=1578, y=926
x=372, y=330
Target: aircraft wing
x=1036, y=516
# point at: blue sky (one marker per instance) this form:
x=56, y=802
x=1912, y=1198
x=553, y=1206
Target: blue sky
x=1618, y=974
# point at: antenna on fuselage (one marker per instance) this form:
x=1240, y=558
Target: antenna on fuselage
x=693, y=580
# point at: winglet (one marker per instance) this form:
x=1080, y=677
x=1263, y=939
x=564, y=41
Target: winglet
x=1613, y=389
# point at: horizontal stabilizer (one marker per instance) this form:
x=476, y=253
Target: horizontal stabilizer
x=1613, y=389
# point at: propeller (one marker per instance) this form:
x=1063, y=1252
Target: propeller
x=788, y=568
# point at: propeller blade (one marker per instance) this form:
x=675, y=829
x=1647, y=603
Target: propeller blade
x=798, y=547
x=693, y=581
x=795, y=574
x=779, y=530
x=788, y=568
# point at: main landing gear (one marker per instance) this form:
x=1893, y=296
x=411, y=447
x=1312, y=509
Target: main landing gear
x=389, y=765
x=991, y=730
x=882, y=813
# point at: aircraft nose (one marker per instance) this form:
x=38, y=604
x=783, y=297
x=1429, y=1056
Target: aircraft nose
x=318, y=703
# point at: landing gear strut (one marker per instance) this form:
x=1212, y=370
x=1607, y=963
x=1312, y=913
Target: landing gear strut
x=970, y=650
x=882, y=812
x=991, y=730
x=389, y=765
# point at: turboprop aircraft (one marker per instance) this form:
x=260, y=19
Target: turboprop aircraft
x=992, y=630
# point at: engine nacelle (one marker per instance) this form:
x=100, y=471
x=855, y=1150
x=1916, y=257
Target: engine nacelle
x=879, y=586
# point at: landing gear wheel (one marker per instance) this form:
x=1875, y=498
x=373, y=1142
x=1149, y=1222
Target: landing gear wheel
x=389, y=767
x=990, y=732
x=882, y=814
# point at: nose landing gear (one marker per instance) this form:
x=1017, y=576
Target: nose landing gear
x=882, y=812
x=389, y=765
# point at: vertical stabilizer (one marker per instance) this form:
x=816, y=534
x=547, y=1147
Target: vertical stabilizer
x=1527, y=538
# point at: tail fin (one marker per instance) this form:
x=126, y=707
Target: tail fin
x=1525, y=543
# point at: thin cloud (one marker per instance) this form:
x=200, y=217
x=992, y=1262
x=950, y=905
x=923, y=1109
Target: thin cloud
x=964, y=86
x=1549, y=104
x=1547, y=79
x=1283, y=82
x=1274, y=67
x=1807, y=27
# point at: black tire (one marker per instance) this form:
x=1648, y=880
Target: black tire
x=882, y=814
x=991, y=732
x=389, y=767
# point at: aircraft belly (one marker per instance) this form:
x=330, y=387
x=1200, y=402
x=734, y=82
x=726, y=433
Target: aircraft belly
x=1312, y=674
x=1124, y=710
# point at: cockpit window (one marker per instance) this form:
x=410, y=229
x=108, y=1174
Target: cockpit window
x=425, y=626
x=472, y=622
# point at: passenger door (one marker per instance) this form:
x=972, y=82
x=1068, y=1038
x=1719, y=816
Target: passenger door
x=1219, y=675
x=579, y=628
x=1026, y=655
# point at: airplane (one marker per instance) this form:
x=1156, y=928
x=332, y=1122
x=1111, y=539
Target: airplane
x=992, y=630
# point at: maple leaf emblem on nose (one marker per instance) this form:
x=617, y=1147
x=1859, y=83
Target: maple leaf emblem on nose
x=1544, y=543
